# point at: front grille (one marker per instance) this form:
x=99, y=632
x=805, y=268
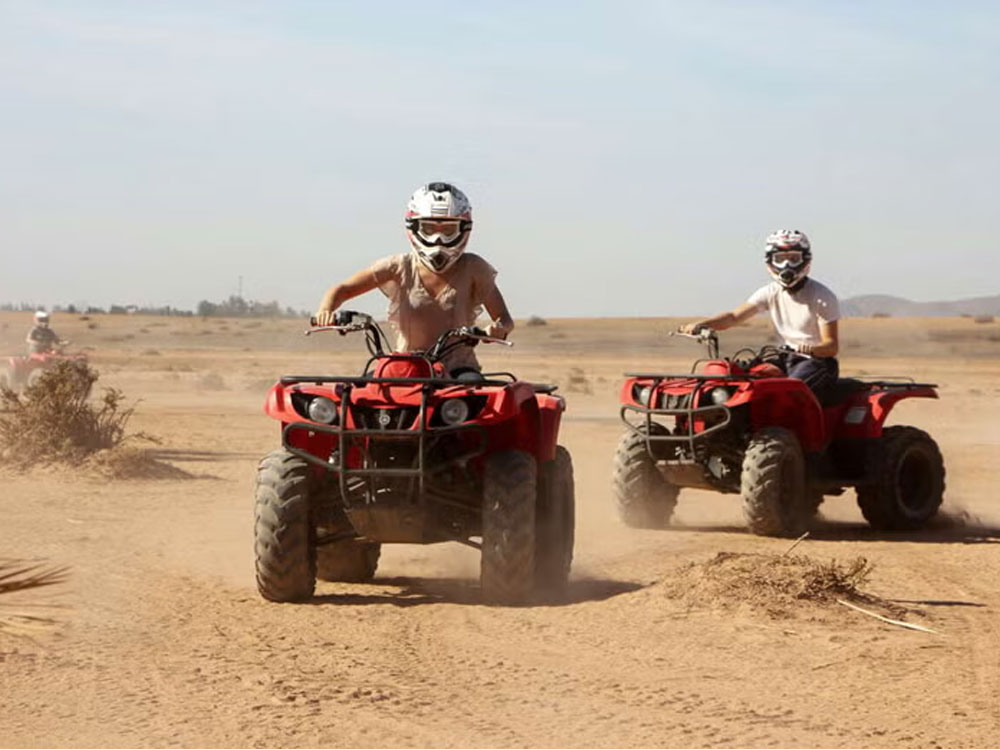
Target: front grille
x=370, y=418
x=675, y=401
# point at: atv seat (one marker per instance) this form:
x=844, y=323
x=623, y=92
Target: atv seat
x=544, y=387
x=843, y=389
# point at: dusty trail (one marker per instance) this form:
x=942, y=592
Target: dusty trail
x=165, y=641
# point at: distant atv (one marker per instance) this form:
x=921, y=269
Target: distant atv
x=738, y=425
x=404, y=453
x=22, y=372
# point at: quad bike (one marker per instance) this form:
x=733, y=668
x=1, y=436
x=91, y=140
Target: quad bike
x=22, y=372
x=406, y=453
x=739, y=425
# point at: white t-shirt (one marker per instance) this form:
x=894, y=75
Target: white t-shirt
x=797, y=315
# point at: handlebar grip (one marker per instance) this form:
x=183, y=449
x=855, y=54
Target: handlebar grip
x=312, y=321
x=477, y=331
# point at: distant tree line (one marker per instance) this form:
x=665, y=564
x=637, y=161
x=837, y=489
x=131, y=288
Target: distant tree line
x=234, y=307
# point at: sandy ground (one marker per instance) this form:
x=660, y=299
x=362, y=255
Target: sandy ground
x=162, y=639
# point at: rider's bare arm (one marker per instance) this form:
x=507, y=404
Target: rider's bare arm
x=502, y=323
x=830, y=344
x=338, y=294
x=722, y=321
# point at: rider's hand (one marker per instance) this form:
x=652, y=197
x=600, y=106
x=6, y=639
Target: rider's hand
x=692, y=329
x=496, y=331
x=325, y=317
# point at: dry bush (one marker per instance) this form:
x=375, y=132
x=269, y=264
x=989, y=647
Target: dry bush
x=55, y=419
x=881, y=315
x=211, y=381
x=983, y=319
x=775, y=584
x=576, y=381
x=535, y=320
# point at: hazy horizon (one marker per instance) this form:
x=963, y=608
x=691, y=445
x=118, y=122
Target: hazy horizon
x=621, y=160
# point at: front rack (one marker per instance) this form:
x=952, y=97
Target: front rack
x=689, y=436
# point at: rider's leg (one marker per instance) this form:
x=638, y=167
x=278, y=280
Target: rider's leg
x=819, y=373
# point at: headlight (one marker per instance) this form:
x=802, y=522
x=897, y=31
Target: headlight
x=719, y=395
x=322, y=410
x=643, y=394
x=453, y=411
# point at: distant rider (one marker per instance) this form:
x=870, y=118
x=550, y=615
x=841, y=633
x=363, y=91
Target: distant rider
x=804, y=312
x=437, y=285
x=41, y=339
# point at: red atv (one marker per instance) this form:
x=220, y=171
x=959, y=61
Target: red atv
x=405, y=453
x=22, y=372
x=738, y=425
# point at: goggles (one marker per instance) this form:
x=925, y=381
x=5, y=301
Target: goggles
x=785, y=258
x=435, y=229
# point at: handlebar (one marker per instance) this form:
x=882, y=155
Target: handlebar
x=348, y=321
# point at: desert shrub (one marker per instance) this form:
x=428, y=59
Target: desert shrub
x=211, y=381
x=881, y=315
x=983, y=319
x=56, y=420
x=576, y=381
x=535, y=320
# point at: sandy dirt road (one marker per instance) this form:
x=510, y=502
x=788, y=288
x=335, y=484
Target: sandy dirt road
x=163, y=640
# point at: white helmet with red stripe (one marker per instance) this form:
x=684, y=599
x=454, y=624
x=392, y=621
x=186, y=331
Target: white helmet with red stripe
x=788, y=256
x=438, y=222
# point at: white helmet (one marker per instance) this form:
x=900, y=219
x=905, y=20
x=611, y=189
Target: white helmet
x=41, y=317
x=788, y=256
x=438, y=221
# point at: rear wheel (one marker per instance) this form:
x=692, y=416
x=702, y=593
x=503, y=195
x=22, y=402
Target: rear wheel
x=347, y=561
x=909, y=481
x=284, y=538
x=645, y=500
x=508, y=555
x=772, y=483
x=555, y=518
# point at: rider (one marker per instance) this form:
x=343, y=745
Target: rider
x=41, y=339
x=804, y=312
x=435, y=287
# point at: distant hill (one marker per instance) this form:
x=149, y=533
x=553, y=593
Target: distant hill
x=867, y=305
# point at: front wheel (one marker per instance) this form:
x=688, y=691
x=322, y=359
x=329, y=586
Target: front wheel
x=643, y=497
x=284, y=537
x=555, y=519
x=507, y=570
x=909, y=481
x=772, y=483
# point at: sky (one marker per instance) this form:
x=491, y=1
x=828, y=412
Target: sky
x=621, y=158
